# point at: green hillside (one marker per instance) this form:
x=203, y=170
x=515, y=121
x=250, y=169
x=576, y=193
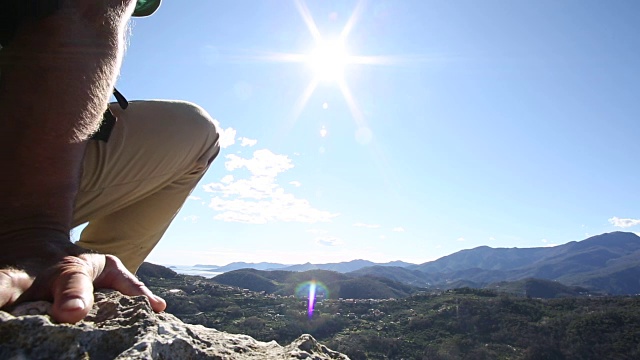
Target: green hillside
x=455, y=324
x=539, y=288
x=608, y=263
x=330, y=283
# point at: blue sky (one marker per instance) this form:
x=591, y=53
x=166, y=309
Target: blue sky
x=454, y=124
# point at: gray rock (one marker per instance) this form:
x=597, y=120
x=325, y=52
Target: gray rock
x=124, y=327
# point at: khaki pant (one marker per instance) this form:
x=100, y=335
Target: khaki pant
x=133, y=185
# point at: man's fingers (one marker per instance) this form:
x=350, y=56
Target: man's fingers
x=70, y=283
x=72, y=291
x=12, y=284
x=115, y=276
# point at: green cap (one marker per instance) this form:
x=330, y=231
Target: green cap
x=146, y=7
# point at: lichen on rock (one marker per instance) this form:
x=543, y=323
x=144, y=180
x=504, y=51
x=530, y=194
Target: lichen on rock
x=125, y=327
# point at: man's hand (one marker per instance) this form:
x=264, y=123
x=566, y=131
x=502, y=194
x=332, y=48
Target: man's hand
x=66, y=274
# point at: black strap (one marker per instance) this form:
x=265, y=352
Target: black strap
x=124, y=104
x=109, y=120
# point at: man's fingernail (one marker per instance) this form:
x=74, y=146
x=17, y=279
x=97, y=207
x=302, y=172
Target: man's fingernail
x=73, y=305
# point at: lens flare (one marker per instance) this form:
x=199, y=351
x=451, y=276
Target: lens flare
x=312, y=290
x=312, y=299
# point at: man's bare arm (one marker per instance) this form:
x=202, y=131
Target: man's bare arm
x=56, y=77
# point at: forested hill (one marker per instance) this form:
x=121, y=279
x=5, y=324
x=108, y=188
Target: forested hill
x=592, y=253
x=329, y=283
x=608, y=263
x=603, y=264
x=455, y=324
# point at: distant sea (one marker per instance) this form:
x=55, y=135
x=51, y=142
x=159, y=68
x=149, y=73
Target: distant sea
x=191, y=270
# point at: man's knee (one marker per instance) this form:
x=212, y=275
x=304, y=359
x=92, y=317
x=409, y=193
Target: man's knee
x=180, y=130
x=202, y=129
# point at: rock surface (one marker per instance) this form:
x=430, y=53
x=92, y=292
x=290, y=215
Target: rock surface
x=123, y=327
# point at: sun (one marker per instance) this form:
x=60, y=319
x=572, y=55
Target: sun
x=328, y=61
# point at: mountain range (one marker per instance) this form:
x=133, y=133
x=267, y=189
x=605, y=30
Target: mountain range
x=342, y=267
x=607, y=263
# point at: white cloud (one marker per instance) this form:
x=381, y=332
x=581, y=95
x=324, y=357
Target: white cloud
x=278, y=207
x=235, y=216
x=295, y=183
x=253, y=188
x=461, y=239
x=227, y=179
x=624, y=223
x=227, y=136
x=544, y=241
x=191, y=197
x=260, y=199
x=247, y=142
x=263, y=163
x=491, y=238
x=370, y=226
x=382, y=237
x=191, y=218
x=329, y=241
x=398, y=229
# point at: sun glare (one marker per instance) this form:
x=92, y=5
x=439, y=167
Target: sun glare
x=328, y=61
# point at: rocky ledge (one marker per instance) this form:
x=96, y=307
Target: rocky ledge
x=124, y=327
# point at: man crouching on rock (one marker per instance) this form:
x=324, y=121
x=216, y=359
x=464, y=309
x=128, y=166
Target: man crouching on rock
x=61, y=165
